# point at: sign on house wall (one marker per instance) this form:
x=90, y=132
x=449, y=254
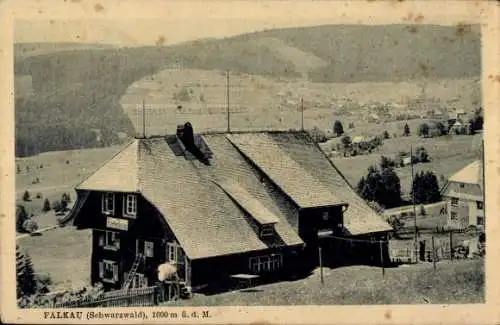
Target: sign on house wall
x=120, y=224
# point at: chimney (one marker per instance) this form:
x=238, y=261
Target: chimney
x=186, y=136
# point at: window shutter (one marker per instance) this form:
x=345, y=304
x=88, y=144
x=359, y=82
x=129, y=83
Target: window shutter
x=115, y=272
x=103, y=202
x=101, y=270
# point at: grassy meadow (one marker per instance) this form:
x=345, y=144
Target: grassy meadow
x=58, y=172
x=451, y=283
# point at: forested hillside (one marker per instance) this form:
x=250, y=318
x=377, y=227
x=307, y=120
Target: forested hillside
x=76, y=89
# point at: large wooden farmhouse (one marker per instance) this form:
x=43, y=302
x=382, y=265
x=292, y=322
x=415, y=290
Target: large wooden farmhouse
x=215, y=205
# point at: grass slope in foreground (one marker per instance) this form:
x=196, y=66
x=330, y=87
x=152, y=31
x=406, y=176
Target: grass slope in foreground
x=451, y=283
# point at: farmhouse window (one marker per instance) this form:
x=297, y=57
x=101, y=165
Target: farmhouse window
x=480, y=221
x=172, y=252
x=138, y=281
x=453, y=215
x=148, y=249
x=108, y=271
x=266, y=230
x=325, y=215
x=108, y=203
x=100, y=239
x=454, y=202
x=112, y=240
x=130, y=205
x=462, y=185
x=479, y=205
x=265, y=263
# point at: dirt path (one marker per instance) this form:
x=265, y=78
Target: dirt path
x=39, y=231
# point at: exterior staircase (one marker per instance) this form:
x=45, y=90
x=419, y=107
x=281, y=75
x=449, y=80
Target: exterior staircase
x=133, y=270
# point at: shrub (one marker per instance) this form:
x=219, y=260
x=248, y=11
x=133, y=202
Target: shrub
x=64, y=205
x=395, y=222
x=422, y=210
x=18, y=169
x=46, y=205
x=346, y=142
x=30, y=226
x=421, y=154
x=39, y=195
x=386, y=162
x=65, y=197
x=423, y=130
x=386, y=135
x=317, y=135
x=26, y=196
x=338, y=129
x=182, y=95
x=56, y=206
x=406, y=131
x=67, y=162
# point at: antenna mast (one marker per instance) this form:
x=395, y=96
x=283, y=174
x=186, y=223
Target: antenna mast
x=302, y=114
x=227, y=96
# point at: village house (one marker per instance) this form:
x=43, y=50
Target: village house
x=216, y=205
x=464, y=195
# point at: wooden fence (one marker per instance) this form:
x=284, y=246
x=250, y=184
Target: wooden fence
x=140, y=297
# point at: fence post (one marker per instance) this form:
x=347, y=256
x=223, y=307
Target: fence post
x=155, y=295
x=382, y=259
x=451, y=245
x=320, y=264
x=433, y=254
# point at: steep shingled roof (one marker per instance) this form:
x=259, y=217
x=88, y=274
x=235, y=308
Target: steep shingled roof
x=199, y=211
x=323, y=183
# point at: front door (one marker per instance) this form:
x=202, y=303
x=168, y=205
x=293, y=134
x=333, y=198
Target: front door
x=176, y=256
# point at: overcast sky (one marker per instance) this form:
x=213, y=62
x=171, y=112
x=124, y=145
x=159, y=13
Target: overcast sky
x=179, y=21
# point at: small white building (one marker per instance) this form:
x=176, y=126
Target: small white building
x=464, y=195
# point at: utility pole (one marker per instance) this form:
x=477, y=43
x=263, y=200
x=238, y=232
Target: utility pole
x=227, y=96
x=413, y=196
x=302, y=114
x=143, y=118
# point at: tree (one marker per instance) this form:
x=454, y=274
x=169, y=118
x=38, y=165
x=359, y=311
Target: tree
x=381, y=186
x=406, y=131
x=18, y=169
x=26, y=196
x=386, y=135
x=471, y=130
x=421, y=154
x=442, y=128
x=346, y=142
x=423, y=130
x=425, y=188
x=422, y=210
x=46, y=205
x=25, y=275
x=338, y=129
x=386, y=162
x=21, y=217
